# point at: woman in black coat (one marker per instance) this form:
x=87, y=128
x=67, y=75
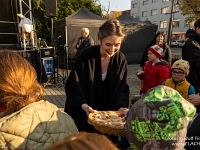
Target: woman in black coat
x=158, y=39
x=98, y=80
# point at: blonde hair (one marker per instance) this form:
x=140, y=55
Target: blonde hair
x=84, y=141
x=18, y=82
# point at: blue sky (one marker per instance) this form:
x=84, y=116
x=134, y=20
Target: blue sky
x=118, y=5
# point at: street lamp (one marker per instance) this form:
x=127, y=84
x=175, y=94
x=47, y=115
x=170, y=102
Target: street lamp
x=171, y=21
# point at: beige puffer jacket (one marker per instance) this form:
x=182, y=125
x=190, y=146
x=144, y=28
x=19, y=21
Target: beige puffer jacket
x=35, y=127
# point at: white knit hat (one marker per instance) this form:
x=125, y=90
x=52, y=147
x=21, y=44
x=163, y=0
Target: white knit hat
x=157, y=50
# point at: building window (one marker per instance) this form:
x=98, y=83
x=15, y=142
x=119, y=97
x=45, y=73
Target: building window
x=164, y=10
x=144, y=13
x=163, y=24
x=165, y=0
x=188, y=24
x=134, y=15
x=154, y=1
x=154, y=12
x=145, y=2
x=135, y=5
x=154, y=22
x=176, y=23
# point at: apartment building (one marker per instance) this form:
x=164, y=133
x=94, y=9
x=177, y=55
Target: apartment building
x=158, y=12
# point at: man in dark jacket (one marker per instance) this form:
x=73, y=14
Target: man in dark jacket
x=191, y=53
x=84, y=41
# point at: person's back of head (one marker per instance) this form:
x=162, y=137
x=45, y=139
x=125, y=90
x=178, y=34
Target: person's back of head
x=84, y=141
x=197, y=23
x=18, y=82
x=197, y=26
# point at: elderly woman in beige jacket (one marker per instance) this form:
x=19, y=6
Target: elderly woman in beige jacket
x=27, y=121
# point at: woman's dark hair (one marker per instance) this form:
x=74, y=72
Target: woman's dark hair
x=109, y=28
x=157, y=34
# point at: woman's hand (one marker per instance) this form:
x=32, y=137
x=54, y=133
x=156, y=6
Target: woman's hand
x=88, y=110
x=77, y=46
x=123, y=111
x=194, y=99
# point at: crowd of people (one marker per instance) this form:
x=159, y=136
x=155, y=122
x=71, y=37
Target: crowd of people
x=164, y=116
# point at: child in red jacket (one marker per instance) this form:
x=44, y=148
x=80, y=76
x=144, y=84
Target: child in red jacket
x=155, y=71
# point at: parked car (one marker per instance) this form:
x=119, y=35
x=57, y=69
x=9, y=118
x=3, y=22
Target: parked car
x=177, y=43
x=181, y=43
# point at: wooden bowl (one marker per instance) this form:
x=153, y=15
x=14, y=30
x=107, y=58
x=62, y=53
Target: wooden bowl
x=108, y=122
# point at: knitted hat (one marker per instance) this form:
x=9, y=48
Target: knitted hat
x=159, y=120
x=157, y=50
x=181, y=64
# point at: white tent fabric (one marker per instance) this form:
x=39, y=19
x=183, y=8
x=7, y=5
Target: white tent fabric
x=69, y=28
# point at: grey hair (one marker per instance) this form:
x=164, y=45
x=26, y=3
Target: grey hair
x=86, y=30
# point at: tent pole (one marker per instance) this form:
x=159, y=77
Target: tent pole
x=52, y=43
x=67, y=51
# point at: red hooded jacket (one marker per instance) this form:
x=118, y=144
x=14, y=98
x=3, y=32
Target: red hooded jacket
x=154, y=75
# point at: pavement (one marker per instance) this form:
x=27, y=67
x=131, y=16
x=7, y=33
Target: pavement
x=55, y=93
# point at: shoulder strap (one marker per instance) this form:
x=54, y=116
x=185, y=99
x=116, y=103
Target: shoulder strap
x=165, y=48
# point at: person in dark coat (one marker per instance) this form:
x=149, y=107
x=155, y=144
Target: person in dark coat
x=191, y=53
x=84, y=41
x=158, y=39
x=193, y=133
x=98, y=80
